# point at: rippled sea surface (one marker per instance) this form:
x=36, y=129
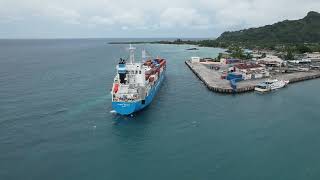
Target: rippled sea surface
x=55, y=120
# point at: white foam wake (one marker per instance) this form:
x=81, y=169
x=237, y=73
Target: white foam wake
x=113, y=112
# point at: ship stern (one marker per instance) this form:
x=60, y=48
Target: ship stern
x=124, y=108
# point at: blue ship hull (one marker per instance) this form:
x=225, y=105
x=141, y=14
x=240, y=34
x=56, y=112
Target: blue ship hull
x=126, y=108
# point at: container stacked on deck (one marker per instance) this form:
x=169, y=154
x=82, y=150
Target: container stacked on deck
x=156, y=67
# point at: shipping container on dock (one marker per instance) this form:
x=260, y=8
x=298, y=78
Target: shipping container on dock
x=234, y=76
x=258, y=76
x=232, y=61
x=223, y=76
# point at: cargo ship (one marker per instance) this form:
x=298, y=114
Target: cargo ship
x=136, y=83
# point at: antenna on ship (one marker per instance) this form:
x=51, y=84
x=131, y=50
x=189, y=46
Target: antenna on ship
x=131, y=49
x=144, y=55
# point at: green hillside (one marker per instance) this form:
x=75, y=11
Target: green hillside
x=306, y=30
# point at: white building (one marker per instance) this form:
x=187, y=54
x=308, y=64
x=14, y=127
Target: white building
x=315, y=56
x=195, y=59
x=271, y=60
x=251, y=71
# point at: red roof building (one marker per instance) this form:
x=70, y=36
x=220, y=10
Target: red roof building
x=247, y=66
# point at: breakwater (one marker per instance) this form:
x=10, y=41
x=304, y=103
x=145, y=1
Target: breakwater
x=212, y=79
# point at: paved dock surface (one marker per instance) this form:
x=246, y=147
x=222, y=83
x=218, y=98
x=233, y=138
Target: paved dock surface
x=212, y=79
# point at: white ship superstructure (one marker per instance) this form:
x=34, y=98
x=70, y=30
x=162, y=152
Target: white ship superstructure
x=136, y=82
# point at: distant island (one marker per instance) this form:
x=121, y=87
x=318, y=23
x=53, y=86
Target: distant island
x=300, y=36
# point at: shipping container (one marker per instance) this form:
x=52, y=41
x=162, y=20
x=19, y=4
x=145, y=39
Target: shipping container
x=257, y=76
x=151, y=79
x=234, y=76
x=232, y=61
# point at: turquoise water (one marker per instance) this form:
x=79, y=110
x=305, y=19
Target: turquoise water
x=56, y=123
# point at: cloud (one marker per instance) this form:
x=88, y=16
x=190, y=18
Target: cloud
x=182, y=17
x=69, y=16
x=98, y=20
x=10, y=19
x=149, y=17
x=124, y=27
x=130, y=18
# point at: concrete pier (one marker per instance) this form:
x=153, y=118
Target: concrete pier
x=212, y=79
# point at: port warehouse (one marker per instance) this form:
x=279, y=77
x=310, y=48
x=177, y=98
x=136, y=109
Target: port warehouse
x=230, y=75
x=235, y=68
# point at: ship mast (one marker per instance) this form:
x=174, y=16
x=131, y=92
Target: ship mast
x=144, y=55
x=131, y=49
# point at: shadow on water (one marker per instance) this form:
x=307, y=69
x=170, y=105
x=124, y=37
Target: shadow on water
x=134, y=129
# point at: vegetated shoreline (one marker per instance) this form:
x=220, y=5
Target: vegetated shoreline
x=288, y=48
x=290, y=36
x=176, y=42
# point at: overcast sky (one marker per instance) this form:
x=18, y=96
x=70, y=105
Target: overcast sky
x=142, y=18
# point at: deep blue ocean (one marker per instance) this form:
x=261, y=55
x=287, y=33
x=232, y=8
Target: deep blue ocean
x=56, y=121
